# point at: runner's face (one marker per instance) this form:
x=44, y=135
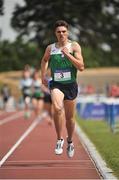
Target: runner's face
x=26, y=74
x=36, y=75
x=61, y=33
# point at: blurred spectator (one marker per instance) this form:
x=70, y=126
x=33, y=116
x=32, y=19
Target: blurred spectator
x=90, y=89
x=81, y=89
x=114, y=90
x=6, y=93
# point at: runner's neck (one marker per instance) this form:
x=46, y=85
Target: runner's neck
x=62, y=44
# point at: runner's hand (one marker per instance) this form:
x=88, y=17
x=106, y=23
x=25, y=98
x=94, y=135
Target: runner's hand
x=45, y=81
x=65, y=51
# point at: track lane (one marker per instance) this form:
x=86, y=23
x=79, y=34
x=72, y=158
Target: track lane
x=11, y=117
x=10, y=132
x=19, y=141
x=35, y=158
x=4, y=114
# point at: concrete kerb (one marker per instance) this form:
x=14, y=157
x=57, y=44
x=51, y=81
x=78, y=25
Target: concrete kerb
x=99, y=163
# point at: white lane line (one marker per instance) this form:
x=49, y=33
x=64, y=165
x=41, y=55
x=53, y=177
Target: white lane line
x=49, y=167
x=49, y=161
x=27, y=132
x=11, y=118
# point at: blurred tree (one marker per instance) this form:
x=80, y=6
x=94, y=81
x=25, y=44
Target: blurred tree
x=1, y=12
x=97, y=21
x=14, y=56
x=1, y=7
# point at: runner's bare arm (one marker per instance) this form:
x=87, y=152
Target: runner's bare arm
x=77, y=59
x=44, y=64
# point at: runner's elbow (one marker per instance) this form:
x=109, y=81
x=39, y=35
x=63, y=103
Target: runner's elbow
x=81, y=68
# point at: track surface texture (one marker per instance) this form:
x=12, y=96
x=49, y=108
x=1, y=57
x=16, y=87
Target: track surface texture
x=27, y=151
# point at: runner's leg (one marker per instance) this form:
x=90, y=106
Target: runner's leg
x=69, y=106
x=57, y=100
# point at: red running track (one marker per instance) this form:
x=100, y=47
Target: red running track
x=34, y=157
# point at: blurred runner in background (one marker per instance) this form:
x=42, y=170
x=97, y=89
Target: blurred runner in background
x=47, y=98
x=25, y=86
x=37, y=94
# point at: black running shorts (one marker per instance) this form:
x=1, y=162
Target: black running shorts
x=69, y=90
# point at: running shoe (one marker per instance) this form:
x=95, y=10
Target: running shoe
x=27, y=114
x=59, y=147
x=70, y=150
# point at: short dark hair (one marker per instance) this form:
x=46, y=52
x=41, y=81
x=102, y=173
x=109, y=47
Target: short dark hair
x=60, y=23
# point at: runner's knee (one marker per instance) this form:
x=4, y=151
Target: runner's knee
x=58, y=108
x=70, y=123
